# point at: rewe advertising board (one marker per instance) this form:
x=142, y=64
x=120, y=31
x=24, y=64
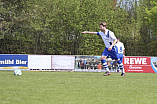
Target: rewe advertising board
x=140, y=64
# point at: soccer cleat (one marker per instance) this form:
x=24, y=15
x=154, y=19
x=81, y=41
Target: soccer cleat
x=107, y=74
x=123, y=74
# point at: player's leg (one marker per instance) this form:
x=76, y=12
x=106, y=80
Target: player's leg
x=121, y=67
x=104, y=63
x=118, y=69
x=114, y=55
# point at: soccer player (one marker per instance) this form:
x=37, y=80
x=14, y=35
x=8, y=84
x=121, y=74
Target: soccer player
x=121, y=53
x=110, y=50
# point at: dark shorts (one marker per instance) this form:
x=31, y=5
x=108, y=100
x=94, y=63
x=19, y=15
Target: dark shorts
x=120, y=57
x=113, y=53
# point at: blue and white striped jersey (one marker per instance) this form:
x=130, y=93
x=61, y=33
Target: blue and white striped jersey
x=108, y=37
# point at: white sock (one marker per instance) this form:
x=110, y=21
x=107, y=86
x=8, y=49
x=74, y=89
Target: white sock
x=123, y=71
x=106, y=67
x=121, y=67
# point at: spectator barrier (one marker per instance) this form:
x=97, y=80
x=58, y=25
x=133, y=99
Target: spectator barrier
x=75, y=63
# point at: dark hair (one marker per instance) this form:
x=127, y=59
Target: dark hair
x=103, y=24
x=118, y=38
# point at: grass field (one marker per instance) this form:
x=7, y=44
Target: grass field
x=77, y=88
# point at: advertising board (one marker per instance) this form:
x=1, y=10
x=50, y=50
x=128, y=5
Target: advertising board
x=13, y=61
x=39, y=61
x=154, y=63
x=138, y=64
x=63, y=62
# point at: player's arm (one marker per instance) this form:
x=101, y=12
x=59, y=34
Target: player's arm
x=114, y=42
x=88, y=32
x=124, y=53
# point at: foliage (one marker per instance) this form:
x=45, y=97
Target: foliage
x=54, y=27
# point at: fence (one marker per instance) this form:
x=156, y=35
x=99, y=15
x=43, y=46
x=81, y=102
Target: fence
x=75, y=63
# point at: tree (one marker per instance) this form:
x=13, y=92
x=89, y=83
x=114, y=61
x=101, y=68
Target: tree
x=151, y=19
x=54, y=27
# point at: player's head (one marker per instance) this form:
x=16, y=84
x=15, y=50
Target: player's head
x=118, y=38
x=103, y=26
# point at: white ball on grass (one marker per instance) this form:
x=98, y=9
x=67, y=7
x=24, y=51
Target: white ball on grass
x=17, y=72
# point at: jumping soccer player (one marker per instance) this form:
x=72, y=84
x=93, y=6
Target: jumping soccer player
x=121, y=53
x=110, y=49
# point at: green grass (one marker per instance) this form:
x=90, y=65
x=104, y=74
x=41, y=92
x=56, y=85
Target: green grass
x=77, y=88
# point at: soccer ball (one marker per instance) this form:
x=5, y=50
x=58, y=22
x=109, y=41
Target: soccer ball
x=17, y=72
